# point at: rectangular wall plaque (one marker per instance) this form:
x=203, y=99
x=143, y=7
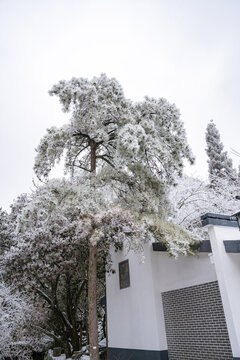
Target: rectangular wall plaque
x=124, y=276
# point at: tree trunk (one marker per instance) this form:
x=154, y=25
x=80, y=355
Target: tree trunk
x=92, y=303
x=92, y=282
x=75, y=340
x=80, y=336
x=66, y=348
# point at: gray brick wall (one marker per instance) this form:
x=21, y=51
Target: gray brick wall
x=195, y=324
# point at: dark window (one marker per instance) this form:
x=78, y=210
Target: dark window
x=124, y=277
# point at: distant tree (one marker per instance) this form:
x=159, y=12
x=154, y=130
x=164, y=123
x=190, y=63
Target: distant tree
x=5, y=232
x=18, y=336
x=8, y=223
x=192, y=197
x=219, y=164
x=238, y=155
x=16, y=207
x=135, y=149
x=18, y=325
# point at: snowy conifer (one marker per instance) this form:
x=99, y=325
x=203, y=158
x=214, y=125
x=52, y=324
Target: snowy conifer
x=49, y=261
x=135, y=147
x=219, y=164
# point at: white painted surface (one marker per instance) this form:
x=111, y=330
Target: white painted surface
x=228, y=274
x=185, y=271
x=132, y=323
x=135, y=314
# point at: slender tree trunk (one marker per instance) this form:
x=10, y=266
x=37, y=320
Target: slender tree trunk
x=71, y=310
x=75, y=339
x=92, y=303
x=66, y=348
x=80, y=336
x=92, y=282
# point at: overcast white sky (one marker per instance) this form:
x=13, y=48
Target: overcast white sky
x=187, y=51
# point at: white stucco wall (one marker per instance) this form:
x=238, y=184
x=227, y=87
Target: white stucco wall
x=135, y=314
x=132, y=323
x=228, y=274
x=172, y=274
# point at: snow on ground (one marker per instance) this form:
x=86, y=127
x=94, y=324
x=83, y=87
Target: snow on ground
x=61, y=357
x=102, y=343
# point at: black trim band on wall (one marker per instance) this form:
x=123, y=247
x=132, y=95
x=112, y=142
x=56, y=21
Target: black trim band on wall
x=134, y=354
x=218, y=219
x=232, y=246
x=203, y=247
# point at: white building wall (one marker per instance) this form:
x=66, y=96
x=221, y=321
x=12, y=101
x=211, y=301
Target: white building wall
x=132, y=322
x=135, y=314
x=172, y=274
x=228, y=275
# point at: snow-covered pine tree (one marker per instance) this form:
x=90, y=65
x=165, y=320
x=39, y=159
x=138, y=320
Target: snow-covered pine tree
x=139, y=145
x=219, y=164
x=49, y=260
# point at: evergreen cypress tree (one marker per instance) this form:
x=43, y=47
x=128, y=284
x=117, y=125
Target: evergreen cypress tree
x=219, y=164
